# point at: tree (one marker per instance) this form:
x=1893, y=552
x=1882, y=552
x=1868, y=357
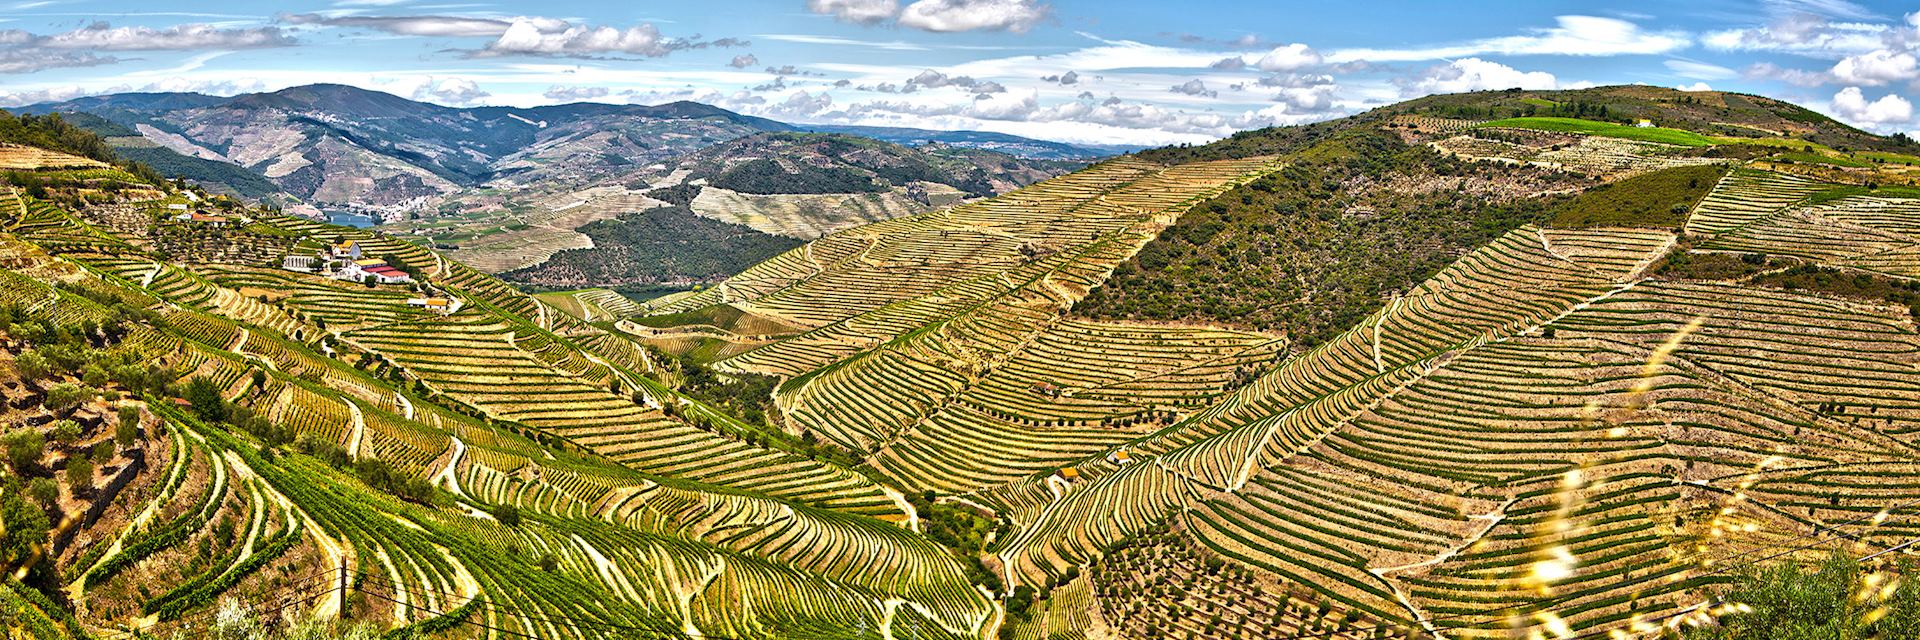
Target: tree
x=23, y=526
x=32, y=366
x=127, y=429
x=67, y=432
x=24, y=449
x=44, y=493
x=548, y=563
x=204, y=396
x=79, y=475
x=507, y=514
x=65, y=396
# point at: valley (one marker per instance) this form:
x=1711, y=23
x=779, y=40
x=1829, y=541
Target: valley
x=1465, y=366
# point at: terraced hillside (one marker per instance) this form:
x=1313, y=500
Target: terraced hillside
x=343, y=429
x=1581, y=413
x=1550, y=434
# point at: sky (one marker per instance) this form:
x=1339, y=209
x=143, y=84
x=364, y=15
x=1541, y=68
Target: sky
x=1095, y=71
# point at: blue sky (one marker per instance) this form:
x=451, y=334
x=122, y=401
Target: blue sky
x=1116, y=71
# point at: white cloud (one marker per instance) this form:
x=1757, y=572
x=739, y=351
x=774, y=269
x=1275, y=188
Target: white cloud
x=1474, y=74
x=458, y=92
x=1875, y=68
x=1700, y=70
x=743, y=61
x=31, y=60
x=1802, y=34
x=1697, y=86
x=565, y=93
x=801, y=104
x=1289, y=57
x=1575, y=36
x=1851, y=105
x=454, y=26
x=1796, y=77
x=1065, y=79
x=856, y=11
x=538, y=37
x=100, y=36
x=944, y=16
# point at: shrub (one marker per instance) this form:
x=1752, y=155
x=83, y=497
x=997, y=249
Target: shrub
x=1791, y=601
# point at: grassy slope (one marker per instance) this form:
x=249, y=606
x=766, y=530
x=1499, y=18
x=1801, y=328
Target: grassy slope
x=1607, y=129
x=1659, y=199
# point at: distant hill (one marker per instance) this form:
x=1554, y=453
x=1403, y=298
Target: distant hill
x=1009, y=144
x=337, y=146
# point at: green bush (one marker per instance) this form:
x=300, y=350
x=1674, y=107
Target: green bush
x=1793, y=601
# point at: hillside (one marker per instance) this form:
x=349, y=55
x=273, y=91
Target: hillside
x=660, y=246
x=1531, y=378
x=1016, y=146
x=1376, y=203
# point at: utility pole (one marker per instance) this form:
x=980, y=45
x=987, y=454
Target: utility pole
x=343, y=587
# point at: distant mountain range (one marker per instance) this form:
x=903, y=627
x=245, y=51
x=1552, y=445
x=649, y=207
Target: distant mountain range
x=341, y=147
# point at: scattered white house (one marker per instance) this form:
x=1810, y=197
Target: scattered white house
x=379, y=270
x=196, y=217
x=307, y=264
x=1644, y=123
x=442, y=306
x=1122, y=456
x=177, y=206
x=191, y=196
x=345, y=250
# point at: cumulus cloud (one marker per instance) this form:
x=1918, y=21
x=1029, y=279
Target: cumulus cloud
x=1288, y=57
x=528, y=36
x=1229, y=63
x=565, y=93
x=801, y=104
x=1697, y=86
x=1875, y=68
x=1851, y=104
x=856, y=11
x=1573, y=36
x=944, y=16
x=1065, y=79
x=930, y=79
x=1194, y=87
x=743, y=61
x=1474, y=74
x=451, y=26
x=458, y=92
